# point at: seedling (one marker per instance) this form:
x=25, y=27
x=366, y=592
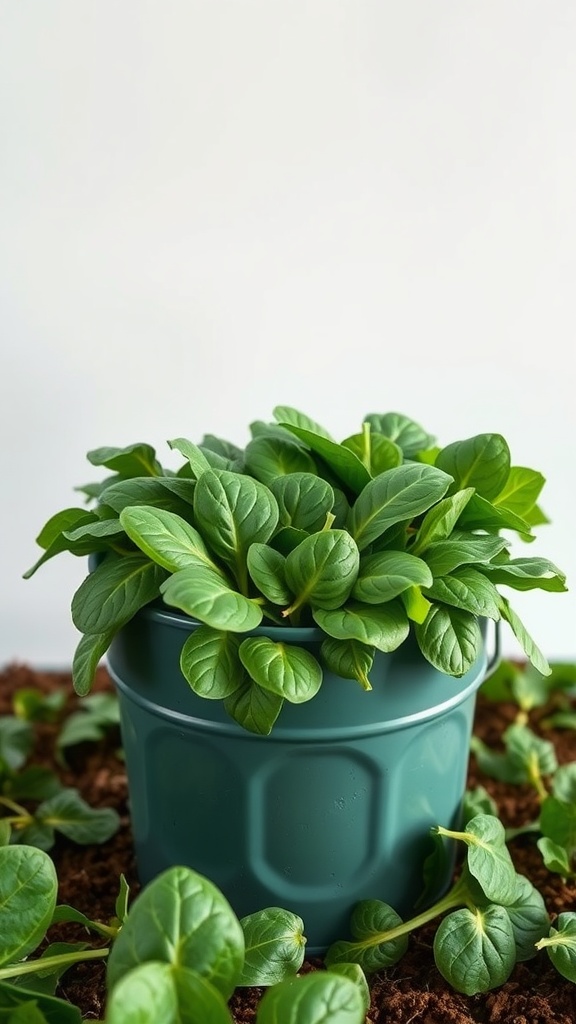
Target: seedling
x=500, y=918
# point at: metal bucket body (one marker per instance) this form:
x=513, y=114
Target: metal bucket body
x=334, y=806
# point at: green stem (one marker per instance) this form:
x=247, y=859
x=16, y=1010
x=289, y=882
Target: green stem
x=13, y=806
x=46, y=962
x=457, y=896
x=535, y=778
x=367, y=452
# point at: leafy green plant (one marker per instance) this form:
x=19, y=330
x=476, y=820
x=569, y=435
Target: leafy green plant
x=522, y=684
x=33, y=803
x=528, y=758
x=369, y=540
x=174, y=956
x=491, y=918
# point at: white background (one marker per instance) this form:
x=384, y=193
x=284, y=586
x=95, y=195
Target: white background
x=209, y=207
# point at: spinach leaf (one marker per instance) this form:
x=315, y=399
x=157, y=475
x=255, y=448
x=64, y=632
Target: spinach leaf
x=313, y=999
x=284, y=669
x=28, y=887
x=274, y=946
x=395, y=496
x=183, y=920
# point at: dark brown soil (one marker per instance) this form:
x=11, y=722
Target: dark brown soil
x=412, y=992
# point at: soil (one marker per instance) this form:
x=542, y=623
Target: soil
x=411, y=992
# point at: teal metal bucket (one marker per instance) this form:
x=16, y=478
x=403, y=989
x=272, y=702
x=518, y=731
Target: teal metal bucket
x=334, y=806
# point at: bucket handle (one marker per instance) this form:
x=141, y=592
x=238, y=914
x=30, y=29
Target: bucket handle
x=495, y=657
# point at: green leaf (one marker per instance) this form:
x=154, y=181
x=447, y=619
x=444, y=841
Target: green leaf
x=227, y=449
x=166, y=993
x=387, y=574
x=234, y=511
x=531, y=650
x=488, y=857
x=274, y=946
x=529, y=918
x=384, y=627
x=166, y=538
x=395, y=496
x=287, y=539
x=405, y=432
x=478, y=801
x=445, y=556
x=564, y=782
x=98, y=713
x=168, y=493
x=528, y=574
x=289, y=417
x=521, y=490
x=54, y=540
x=268, y=458
x=32, y=783
x=439, y=521
x=481, y=514
x=59, y=523
x=450, y=639
x=350, y=659
x=89, y=652
x=48, y=1010
x=304, y=500
x=181, y=918
x=284, y=669
x=558, y=823
x=112, y=594
x=254, y=708
x=556, y=858
x=196, y=459
x=210, y=663
x=468, y=589
x=355, y=973
x=376, y=945
x=101, y=528
x=204, y=595
x=315, y=998
x=33, y=705
x=68, y=813
x=474, y=950
x=417, y=606
x=267, y=570
x=134, y=460
x=376, y=452
x=16, y=742
x=482, y=462
x=560, y=944
x=322, y=569
x=343, y=463
x=28, y=887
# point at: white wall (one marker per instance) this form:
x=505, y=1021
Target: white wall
x=209, y=207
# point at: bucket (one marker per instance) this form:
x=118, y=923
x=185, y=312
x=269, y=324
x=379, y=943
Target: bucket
x=334, y=806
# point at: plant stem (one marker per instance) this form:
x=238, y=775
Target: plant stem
x=535, y=778
x=367, y=450
x=455, y=897
x=13, y=806
x=45, y=963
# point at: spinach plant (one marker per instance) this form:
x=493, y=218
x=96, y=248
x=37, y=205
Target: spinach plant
x=527, y=758
x=491, y=918
x=34, y=805
x=174, y=956
x=370, y=540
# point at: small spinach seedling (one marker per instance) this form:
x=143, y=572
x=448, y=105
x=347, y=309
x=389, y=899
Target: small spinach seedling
x=500, y=918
